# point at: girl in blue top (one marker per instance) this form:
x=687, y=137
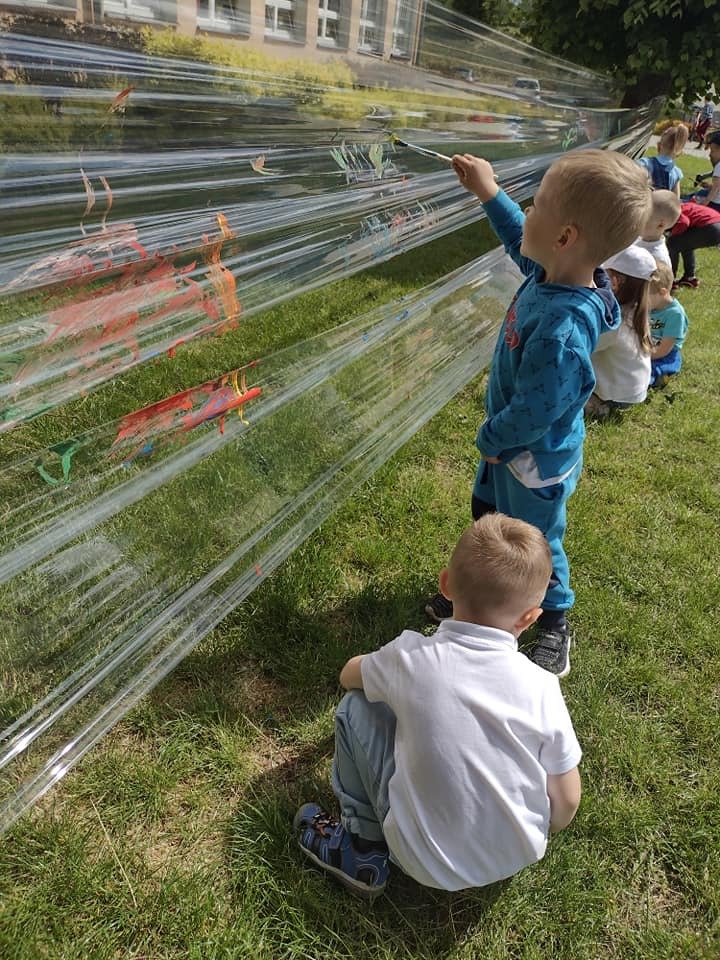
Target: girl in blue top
x=661, y=169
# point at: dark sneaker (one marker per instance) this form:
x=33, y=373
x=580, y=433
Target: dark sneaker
x=325, y=841
x=439, y=608
x=692, y=282
x=551, y=650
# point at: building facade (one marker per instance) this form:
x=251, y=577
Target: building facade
x=388, y=29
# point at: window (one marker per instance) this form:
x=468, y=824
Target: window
x=328, y=22
x=403, y=30
x=232, y=16
x=61, y=6
x=279, y=19
x=136, y=9
x=370, y=38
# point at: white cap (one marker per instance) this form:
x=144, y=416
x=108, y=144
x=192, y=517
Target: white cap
x=633, y=261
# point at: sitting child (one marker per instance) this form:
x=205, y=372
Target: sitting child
x=711, y=196
x=668, y=328
x=664, y=215
x=698, y=226
x=621, y=359
x=663, y=173
x=454, y=754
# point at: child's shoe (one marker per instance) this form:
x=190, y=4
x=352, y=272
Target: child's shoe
x=325, y=841
x=551, y=650
x=691, y=282
x=439, y=608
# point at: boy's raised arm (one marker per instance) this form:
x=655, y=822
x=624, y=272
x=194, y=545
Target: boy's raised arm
x=476, y=175
x=505, y=216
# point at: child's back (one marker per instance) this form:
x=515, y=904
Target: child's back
x=668, y=328
x=663, y=173
x=479, y=727
x=622, y=357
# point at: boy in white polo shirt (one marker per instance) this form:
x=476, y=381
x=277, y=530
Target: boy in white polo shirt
x=455, y=755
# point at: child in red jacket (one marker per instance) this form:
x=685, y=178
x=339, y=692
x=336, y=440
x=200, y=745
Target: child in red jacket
x=698, y=226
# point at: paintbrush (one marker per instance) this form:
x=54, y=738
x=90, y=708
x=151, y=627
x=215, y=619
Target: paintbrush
x=423, y=151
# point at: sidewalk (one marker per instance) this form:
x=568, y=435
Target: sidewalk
x=691, y=149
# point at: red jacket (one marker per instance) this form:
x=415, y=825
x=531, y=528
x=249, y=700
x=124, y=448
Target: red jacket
x=694, y=215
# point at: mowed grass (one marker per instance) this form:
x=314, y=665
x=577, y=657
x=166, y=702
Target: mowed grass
x=172, y=839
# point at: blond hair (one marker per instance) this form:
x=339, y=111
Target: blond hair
x=499, y=565
x=673, y=140
x=662, y=279
x=665, y=208
x=606, y=195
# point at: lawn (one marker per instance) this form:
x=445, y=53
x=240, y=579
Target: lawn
x=172, y=839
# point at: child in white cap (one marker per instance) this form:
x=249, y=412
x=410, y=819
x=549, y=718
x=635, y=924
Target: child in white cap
x=622, y=358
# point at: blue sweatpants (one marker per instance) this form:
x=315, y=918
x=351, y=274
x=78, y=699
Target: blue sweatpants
x=666, y=366
x=544, y=508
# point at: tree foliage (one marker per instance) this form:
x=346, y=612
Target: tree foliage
x=505, y=15
x=651, y=47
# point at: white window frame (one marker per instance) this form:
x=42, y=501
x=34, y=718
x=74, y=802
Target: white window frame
x=212, y=20
x=374, y=23
x=131, y=9
x=59, y=6
x=274, y=31
x=403, y=28
x=325, y=16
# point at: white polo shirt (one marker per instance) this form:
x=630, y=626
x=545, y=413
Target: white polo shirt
x=479, y=728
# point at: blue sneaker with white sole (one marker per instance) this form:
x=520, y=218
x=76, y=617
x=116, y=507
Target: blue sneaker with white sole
x=326, y=842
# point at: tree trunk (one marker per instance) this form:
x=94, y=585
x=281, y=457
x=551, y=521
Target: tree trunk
x=648, y=86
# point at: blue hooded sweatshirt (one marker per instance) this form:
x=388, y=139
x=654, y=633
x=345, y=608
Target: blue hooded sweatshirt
x=541, y=374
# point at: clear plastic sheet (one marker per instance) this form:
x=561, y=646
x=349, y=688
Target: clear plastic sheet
x=149, y=198
x=181, y=197
x=95, y=591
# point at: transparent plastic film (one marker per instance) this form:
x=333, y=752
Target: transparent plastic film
x=150, y=200
x=108, y=607
x=170, y=169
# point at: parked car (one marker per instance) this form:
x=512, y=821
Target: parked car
x=464, y=73
x=529, y=84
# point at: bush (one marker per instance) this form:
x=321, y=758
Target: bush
x=662, y=125
x=266, y=70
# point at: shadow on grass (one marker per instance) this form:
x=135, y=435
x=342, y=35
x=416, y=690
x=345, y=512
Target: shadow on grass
x=301, y=906
x=279, y=655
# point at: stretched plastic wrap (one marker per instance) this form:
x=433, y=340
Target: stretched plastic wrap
x=239, y=472
x=160, y=187
x=176, y=198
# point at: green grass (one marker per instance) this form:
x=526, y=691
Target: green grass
x=172, y=839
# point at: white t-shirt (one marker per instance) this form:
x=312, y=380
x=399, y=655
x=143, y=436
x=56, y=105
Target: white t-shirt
x=622, y=368
x=658, y=248
x=479, y=728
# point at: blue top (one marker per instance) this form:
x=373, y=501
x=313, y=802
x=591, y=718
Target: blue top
x=671, y=321
x=663, y=172
x=541, y=374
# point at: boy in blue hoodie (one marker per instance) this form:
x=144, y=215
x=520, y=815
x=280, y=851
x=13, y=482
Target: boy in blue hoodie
x=590, y=205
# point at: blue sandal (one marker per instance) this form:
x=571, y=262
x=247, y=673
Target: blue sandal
x=326, y=842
